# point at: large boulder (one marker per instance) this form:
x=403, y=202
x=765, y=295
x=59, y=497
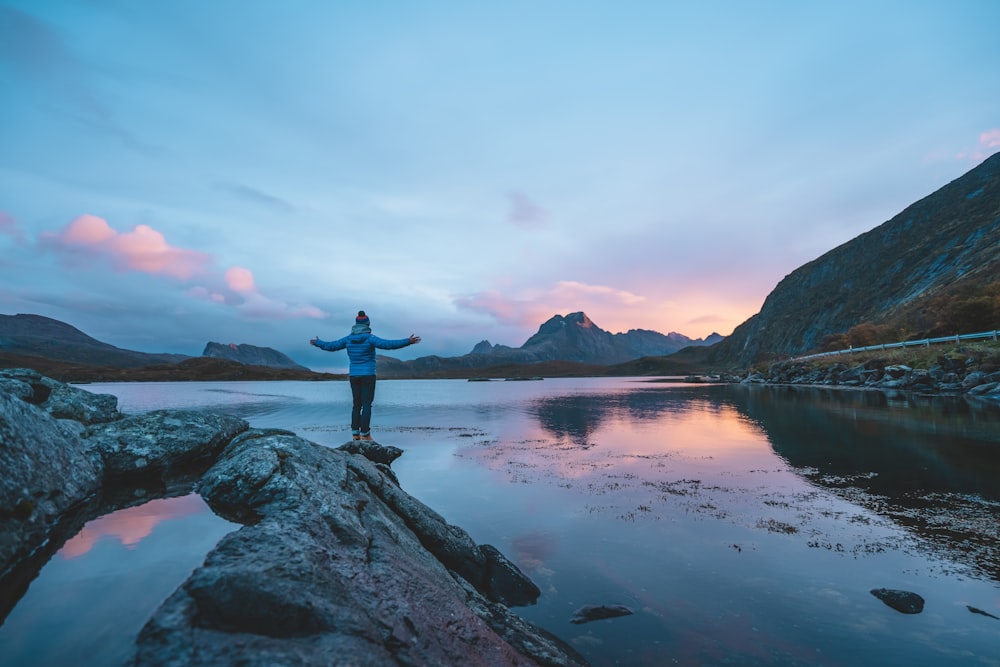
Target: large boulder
x=68, y=455
x=60, y=400
x=46, y=473
x=161, y=443
x=335, y=563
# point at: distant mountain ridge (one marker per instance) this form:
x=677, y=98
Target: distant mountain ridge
x=39, y=336
x=43, y=337
x=940, y=245
x=251, y=355
x=571, y=338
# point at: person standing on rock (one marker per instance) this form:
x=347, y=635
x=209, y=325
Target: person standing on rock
x=361, y=345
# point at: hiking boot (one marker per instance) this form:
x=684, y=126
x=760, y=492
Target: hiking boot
x=365, y=436
x=355, y=435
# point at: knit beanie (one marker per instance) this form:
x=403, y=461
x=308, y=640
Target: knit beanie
x=362, y=319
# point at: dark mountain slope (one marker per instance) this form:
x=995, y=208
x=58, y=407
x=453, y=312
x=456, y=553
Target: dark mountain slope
x=251, y=355
x=943, y=242
x=40, y=336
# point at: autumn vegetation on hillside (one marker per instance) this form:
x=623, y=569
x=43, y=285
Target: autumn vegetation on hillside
x=966, y=309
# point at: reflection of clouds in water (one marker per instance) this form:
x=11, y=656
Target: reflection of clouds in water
x=659, y=455
x=533, y=550
x=133, y=524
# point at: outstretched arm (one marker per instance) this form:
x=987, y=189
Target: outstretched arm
x=386, y=344
x=329, y=346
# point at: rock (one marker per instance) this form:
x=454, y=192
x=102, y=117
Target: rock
x=60, y=400
x=590, y=612
x=46, y=472
x=373, y=451
x=333, y=563
x=982, y=389
x=163, y=443
x=326, y=568
x=902, y=601
x=975, y=610
x=974, y=379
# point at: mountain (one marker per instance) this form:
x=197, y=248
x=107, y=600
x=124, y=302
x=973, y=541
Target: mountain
x=250, y=355
x=38, y=336
x=898, y=275
x=573, y=338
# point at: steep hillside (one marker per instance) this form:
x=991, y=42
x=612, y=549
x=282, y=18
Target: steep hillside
x=945, y=242
x=40, y=336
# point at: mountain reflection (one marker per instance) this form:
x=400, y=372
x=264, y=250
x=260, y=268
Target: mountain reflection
x=576, y=417
x=930, y=464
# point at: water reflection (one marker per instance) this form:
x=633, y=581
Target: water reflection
x=931, y=465
x=89, y=602
x=131, y=525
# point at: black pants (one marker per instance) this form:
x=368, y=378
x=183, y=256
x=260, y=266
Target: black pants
x=363, y=391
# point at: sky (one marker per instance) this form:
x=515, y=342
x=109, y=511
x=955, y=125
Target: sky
x=244, y=171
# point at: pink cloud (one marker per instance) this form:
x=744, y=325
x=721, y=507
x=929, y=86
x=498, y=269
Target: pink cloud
x=988, y=141
x=990, y=138
x=146, y=250
x=504, y=309
x=240, y=279
x=571, y=290
x=10, y=227
x=533, y=307
x=143, y=249
x=131, y=525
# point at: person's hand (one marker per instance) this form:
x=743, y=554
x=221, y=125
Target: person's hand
x=313, y=341
x=414, y=339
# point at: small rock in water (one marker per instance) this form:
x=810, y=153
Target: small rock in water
x=592, y=612
x=974, y=610
x=902, y=601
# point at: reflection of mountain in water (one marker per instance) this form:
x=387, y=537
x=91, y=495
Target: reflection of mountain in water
x=898, y=445
x=931, y=465
x=577, y=416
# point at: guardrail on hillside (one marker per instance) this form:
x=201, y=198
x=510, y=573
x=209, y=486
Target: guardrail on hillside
x=926, y=342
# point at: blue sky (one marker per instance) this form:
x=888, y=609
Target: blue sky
x=173, y=173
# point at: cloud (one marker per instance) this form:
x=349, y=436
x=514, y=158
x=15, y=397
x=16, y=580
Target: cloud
x=256, y=306
x=240, y=280
x=570, y=290
x=990, y=138
x=534, y=306
x=503, y=309
x=89, y=238
x=524, y=212
x=143, y=249
x=988, y=141
x=9, y=227
x=257, y=197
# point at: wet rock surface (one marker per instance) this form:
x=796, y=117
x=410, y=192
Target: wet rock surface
x=904, y=602
x=334, y=563
x=591, y=612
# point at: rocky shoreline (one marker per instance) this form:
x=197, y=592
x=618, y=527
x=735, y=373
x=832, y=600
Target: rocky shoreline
x=957, y=373
x=333, y=561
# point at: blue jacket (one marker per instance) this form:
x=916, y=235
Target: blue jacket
x=360, y=345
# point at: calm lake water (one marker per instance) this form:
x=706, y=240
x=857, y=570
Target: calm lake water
x=743, y=525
